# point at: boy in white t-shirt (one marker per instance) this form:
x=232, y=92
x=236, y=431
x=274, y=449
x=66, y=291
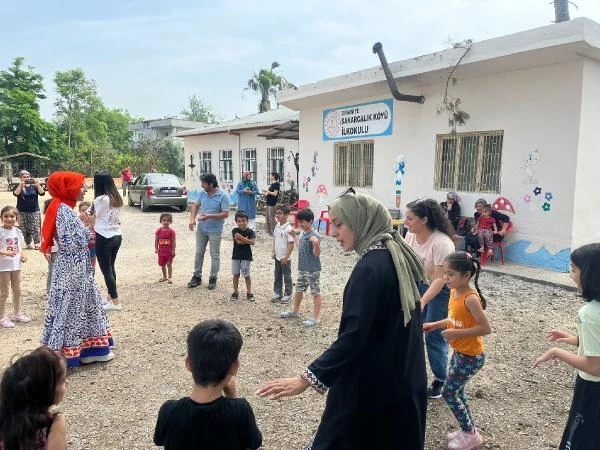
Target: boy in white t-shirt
x=283, y=246
x=11, y=257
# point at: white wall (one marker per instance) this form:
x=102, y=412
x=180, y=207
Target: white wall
x=586, y=215
x=223, y=141
x=537, y=109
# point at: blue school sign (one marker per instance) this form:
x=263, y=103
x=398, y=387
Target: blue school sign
x=358, y=121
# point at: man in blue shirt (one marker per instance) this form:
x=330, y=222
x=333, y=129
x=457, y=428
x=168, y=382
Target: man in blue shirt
x=214, y=209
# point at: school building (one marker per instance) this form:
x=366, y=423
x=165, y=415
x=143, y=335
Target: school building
x=531, y=146
x=260, y=143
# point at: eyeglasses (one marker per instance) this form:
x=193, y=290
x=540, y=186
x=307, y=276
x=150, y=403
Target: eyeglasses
x=349, y=190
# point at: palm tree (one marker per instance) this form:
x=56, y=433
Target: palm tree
x=266, y=83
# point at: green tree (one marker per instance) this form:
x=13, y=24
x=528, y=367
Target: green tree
x=198, y=111
x=77, y=96
x=149, y=151
x=172, y=157
x=266, y=83
x=21, y=125
x=116, y=121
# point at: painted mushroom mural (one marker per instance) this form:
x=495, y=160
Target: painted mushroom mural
x=503, y=205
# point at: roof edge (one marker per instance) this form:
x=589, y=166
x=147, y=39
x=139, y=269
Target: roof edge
x=577, y=30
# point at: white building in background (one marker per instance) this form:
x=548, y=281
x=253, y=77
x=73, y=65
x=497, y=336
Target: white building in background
x=531, y=146
x=229, y=148
x=161, y=128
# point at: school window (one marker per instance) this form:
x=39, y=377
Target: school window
x=226, y=166
x=248, y=160
x=205, y=162
x=275, y=158
x=469, y=162
x=353, y=163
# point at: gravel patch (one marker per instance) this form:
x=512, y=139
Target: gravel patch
x=114, y=405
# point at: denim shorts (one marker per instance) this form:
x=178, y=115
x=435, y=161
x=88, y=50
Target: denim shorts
x=306, y=279
x=240, y=267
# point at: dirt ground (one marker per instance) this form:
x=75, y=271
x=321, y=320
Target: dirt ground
x=114, y=405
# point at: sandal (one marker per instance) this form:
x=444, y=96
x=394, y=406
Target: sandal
x=234, y=296
x=250, y=296
x=163, y=279
x=169, y=281
x=36, y=247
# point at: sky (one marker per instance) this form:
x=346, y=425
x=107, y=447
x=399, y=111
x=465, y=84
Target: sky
x=150, y=56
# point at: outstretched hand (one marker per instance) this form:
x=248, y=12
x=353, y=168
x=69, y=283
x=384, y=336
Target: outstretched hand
x=283, y=387
x=549, y=355
x=561, y=336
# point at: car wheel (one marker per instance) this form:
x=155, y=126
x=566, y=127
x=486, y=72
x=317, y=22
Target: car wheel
x=143, y=205
x=129, y=200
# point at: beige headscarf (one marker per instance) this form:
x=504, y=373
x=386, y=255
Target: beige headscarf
x=371, y=222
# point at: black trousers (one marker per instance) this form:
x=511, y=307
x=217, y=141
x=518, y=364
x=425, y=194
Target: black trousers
x=106, y=255
x=582, y=432
x=472, y=241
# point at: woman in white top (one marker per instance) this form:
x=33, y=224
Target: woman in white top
x=106, y=208
x=430, y=235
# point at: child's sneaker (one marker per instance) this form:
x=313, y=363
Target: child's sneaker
x=234, y=296
x=5, y=322
x=465, y=441
x=250, y=296
x=110, y=306
x=288, y=315
x=310, y=323
x=285, y=299
x=275, y=298
x=435, y=390
x=20, y=318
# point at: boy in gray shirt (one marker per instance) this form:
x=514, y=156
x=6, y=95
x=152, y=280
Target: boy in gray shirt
x=309, y=269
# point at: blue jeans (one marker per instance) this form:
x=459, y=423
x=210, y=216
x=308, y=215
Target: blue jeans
x=202, y=240
x=437, y=346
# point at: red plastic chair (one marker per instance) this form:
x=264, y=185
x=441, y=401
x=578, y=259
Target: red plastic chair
x=295, y=207
x=324, y=217
x=496, y=245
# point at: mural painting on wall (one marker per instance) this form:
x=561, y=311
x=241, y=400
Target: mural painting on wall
x=322, y=194
x=399, y=177
x=314, y=168
x=529, y=167
x=536, y=197
x=503, y=205
x=194, y=174
x=539, y=198
x=305, y=183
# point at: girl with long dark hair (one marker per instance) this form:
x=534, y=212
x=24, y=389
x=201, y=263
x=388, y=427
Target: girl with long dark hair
x=29, y=387
x=107, y=207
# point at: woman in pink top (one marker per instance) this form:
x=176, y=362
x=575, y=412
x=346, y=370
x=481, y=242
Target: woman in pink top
x=430, y=236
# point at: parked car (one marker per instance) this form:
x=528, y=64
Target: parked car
x=157, y=189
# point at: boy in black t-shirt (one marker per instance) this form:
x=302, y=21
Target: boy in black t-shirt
x=243, y=238
x=206, y=419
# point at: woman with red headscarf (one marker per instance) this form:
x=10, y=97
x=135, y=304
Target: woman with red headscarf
x=75, y=323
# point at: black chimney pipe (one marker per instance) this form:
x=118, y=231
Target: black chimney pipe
x=378, y=48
